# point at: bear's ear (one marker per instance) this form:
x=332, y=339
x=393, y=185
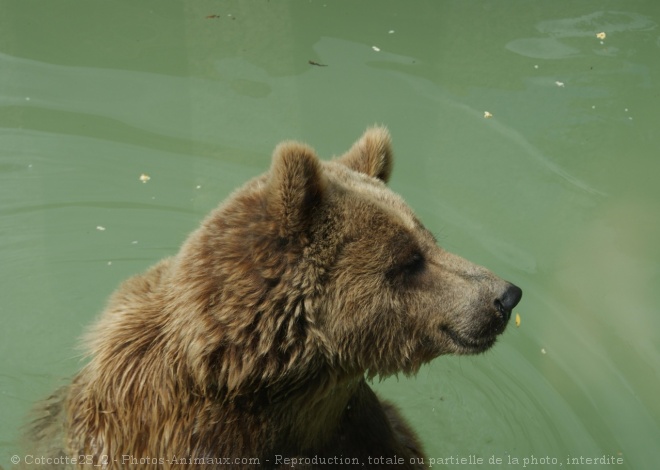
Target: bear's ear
x=295, y=187
x=372, y=154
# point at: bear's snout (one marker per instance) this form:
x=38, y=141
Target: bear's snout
x=508, y=300
x=474, y=328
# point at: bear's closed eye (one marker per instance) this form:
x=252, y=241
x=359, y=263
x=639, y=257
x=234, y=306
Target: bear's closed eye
x=408, y=265
x=414, y=264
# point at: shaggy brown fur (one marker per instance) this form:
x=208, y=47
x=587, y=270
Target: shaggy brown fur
x=255, y=340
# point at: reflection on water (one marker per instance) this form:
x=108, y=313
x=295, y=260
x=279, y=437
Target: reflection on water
x=611, y=22
x=542, y=48
x=556, y=191
x=595, y=26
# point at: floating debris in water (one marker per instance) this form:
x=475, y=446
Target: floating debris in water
x=487, y=115
x=601, y=35
x=375, y=48
x=311, y=62
x=144, y=177
x=543, y=351
x=517, y=319
x=559, y=84
x=100, y=228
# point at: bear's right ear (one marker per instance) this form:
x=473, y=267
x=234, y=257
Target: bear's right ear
x=371, y=154
x=295, y=187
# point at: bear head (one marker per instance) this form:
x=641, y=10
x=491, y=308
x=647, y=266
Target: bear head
x=317, y=271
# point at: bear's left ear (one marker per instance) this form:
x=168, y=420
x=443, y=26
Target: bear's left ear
x=295, y=187
x=372, y=154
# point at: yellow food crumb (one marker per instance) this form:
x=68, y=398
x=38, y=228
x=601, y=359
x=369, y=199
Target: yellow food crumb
x=517, y=319
x=144, y=177
x=601, y=35
x=487, y=115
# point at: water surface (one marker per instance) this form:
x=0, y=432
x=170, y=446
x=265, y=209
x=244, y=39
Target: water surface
x=556, y=191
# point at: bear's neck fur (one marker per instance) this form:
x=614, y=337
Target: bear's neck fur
x=286, y=394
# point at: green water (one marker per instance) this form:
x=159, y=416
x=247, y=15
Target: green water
x=557, y=191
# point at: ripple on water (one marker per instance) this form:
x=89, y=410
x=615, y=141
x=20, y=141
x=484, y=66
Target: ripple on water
x=554, y=45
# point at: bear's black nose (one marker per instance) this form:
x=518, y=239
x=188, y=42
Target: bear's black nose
x=508, y=300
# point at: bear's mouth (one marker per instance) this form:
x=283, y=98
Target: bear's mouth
x=469, y=345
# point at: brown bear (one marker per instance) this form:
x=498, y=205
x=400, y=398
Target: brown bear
x=252, y=347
